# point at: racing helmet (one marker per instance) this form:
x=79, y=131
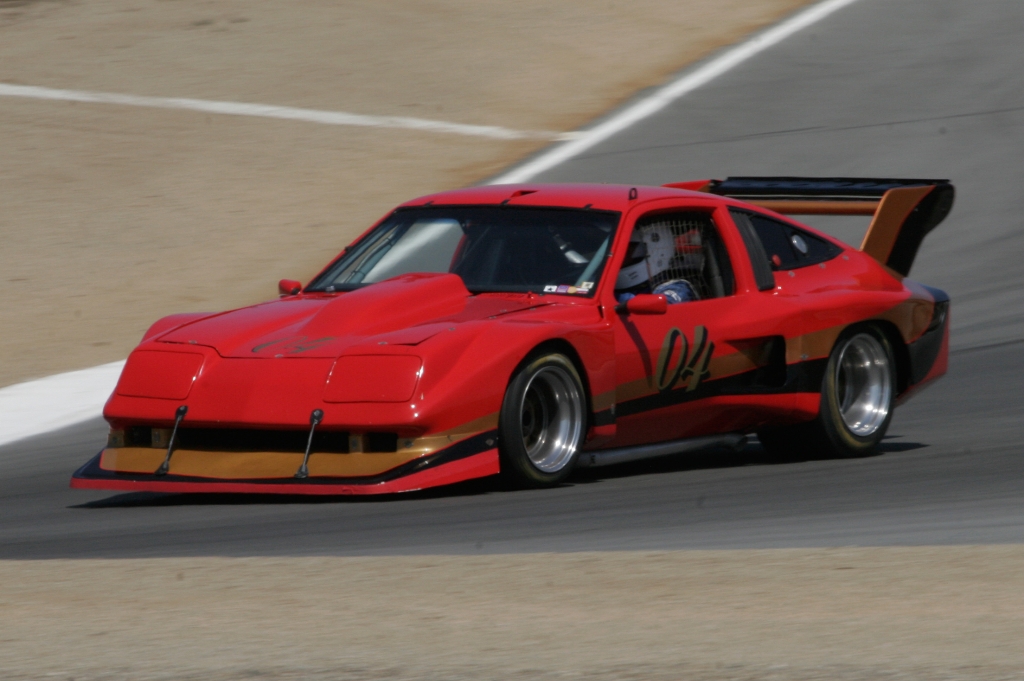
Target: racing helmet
x=661, y=248
x=634, y=266
x=650, y=252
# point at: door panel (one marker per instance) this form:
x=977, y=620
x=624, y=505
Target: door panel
x=722, y=363
x=705, y=367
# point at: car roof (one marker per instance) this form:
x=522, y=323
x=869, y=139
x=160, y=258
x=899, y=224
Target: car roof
x=575, y=195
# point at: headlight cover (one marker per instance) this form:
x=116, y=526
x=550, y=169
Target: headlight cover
x=373, y=378
x=163, y=375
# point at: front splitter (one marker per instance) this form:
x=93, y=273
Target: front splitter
x=474, y=457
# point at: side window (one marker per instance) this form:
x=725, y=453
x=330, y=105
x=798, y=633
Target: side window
x=680, y=255
x=788, y=247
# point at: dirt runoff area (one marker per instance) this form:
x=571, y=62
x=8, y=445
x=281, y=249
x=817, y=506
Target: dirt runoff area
x=926, y=614
x=112, y=216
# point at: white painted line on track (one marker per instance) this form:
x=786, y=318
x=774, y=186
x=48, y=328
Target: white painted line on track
x=281, y=112
x=35, y=407
x=662, y=97
x=61, y=400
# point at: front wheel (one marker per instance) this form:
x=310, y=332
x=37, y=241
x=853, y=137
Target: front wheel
x=857, y=397
x=542, y=422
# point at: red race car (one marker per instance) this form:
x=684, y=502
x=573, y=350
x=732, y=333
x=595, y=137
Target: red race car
x=529, y=330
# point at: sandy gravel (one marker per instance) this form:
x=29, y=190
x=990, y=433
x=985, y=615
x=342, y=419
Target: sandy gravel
x=111, y=217
x=894, y=613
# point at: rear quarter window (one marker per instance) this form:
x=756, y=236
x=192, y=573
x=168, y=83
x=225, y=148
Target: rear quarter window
x=793, y=247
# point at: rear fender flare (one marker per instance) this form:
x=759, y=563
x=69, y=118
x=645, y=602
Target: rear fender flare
x=901, y=355
x=899, y=351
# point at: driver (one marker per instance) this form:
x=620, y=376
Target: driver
x=653, y=251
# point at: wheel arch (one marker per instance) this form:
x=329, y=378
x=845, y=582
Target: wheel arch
x=901, y=355
x=517, y=470
x=566, y=348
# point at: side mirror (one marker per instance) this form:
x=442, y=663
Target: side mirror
x=289, y=287
x=645, y=303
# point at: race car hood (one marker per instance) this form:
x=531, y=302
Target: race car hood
x=406, y=310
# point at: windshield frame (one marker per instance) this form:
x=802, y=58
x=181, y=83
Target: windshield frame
x=358, y=248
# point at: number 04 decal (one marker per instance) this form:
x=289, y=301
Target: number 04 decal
x=691, y=367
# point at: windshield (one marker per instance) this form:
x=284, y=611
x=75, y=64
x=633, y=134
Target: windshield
x=492, y=248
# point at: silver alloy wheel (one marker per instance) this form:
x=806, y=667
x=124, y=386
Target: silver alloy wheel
x=863, y=384
x=552, y=419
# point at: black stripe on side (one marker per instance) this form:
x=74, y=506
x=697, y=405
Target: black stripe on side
x=803, y=377
x=460, y=450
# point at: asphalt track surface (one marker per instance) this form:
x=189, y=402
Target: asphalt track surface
x=925, y=88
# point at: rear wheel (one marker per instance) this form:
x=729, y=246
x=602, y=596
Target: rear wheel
x=857, y=397
x=542, y=422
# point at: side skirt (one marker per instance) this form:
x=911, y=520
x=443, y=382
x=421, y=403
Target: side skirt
x=610, y=457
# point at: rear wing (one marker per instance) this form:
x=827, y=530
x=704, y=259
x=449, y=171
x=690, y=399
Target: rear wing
x=904, y=211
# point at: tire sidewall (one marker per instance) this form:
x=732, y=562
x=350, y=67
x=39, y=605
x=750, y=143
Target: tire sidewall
x=515, y=462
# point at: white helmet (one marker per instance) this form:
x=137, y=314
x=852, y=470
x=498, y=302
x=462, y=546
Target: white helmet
x=661, y=247
x=634, y=266
x=650, y=253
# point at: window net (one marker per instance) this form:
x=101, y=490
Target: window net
x=686, y=246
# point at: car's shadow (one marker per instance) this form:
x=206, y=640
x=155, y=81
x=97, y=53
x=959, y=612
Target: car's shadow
x=751, y=455
x=897, y=447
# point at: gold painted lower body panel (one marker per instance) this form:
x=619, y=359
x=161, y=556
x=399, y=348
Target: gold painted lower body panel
x=251, y=465
x=264, y=465
x=233, y=465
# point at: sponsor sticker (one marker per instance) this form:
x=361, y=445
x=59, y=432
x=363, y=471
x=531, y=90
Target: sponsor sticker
x=564, y=288
x=550, y=289
x=587, y=285
x=572, y=289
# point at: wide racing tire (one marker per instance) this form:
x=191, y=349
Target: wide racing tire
x=858, y=394
x=542, y=422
